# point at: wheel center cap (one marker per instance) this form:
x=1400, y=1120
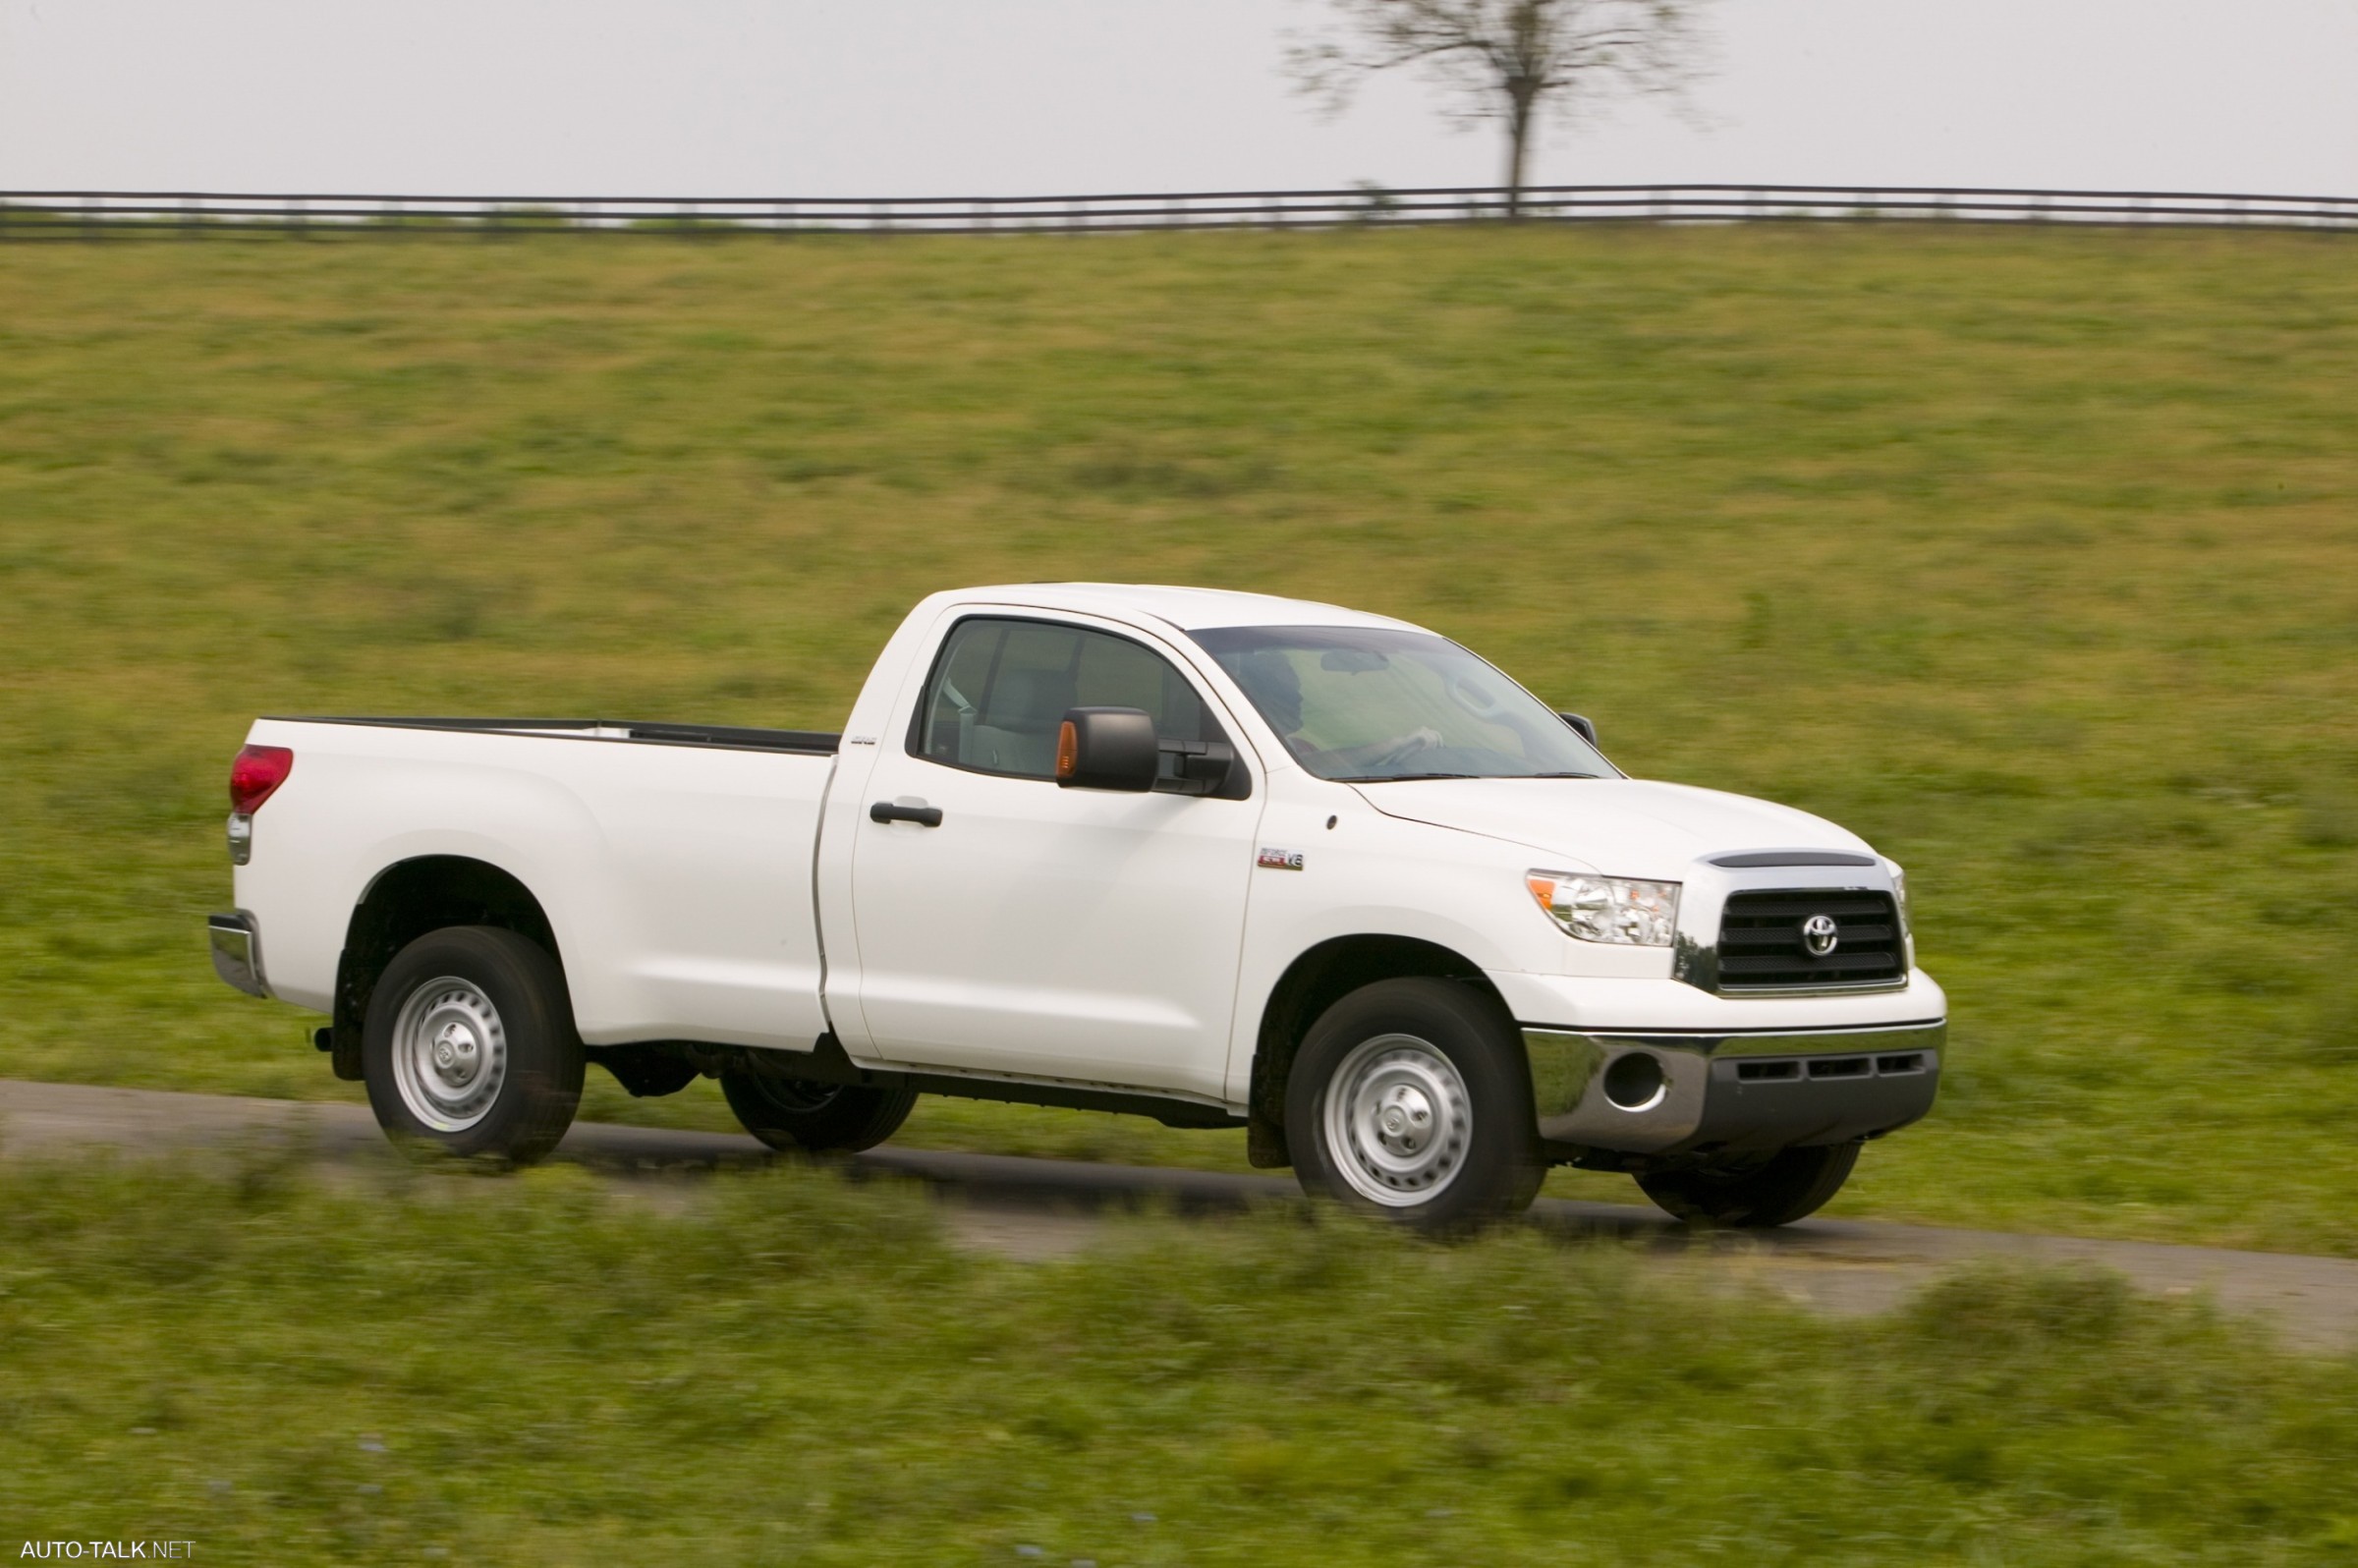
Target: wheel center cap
x=1405, y=1117
x=456, y=1051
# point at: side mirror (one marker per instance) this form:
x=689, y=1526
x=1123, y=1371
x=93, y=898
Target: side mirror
x=1107, y=749
x=1587, y=730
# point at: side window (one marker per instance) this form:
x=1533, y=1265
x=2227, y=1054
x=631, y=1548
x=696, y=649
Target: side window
x=1000, y=689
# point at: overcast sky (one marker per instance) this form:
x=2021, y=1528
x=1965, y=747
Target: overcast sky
x=913, y=97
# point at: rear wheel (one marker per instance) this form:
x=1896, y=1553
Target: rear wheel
x=1410, y=1099
x=1788, y=1185
x=469, y=1045
x=793, y=1113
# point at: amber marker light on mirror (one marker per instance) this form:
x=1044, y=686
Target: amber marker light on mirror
x=1068, y=749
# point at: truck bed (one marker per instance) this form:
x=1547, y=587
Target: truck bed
x=672, y=862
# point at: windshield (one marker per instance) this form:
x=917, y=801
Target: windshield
x=1367, y=705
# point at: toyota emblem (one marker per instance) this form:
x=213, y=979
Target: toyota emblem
x=1819, y=934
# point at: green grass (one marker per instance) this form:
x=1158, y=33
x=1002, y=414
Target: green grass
x=410, y=1367
x=2032, y=556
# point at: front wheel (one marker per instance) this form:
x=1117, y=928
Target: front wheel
x=822, y=1118
x=1410, y=1099
x=469, y=1046
x=1758, y=1195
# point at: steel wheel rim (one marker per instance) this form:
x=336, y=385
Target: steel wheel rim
x=450, y=1055
x=1398, y=1120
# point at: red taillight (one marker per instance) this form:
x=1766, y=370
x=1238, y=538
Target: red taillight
x=258, y=770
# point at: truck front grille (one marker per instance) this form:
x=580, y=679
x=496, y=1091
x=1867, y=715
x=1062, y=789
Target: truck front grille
x=1764, y=945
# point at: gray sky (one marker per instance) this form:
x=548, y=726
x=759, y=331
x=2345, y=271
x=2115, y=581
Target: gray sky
x=914, y=97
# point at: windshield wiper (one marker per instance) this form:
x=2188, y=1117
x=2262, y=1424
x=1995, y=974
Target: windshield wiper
x=1397, y=778
x=1414, y=778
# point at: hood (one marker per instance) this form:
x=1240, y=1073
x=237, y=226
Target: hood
x=1614, y=826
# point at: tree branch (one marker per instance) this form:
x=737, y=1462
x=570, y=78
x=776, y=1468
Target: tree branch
x=1501, y=58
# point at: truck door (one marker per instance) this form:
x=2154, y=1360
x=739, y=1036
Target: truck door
x=1009, y=925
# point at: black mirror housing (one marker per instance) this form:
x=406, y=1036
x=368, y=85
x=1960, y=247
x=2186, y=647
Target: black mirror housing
x=1586, y=729
x=1107, y=749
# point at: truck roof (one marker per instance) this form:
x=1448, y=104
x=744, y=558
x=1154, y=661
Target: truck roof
x=1190, y=609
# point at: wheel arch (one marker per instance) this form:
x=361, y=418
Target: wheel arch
x=1318, y=977
x=403, y=902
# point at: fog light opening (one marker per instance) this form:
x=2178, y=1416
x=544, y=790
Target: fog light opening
x=1635, y=1081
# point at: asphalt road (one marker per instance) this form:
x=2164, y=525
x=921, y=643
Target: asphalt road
x=1037, y=1209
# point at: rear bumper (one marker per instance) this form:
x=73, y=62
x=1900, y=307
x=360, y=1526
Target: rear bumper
x=1681, y=1093
x=238, y=951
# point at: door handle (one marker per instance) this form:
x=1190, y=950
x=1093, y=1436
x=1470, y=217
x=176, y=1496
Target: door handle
x=921, y=815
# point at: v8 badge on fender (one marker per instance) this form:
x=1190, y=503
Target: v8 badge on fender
x=1277, y=859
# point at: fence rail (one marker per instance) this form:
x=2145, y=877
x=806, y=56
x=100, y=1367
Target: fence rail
x=112, y=214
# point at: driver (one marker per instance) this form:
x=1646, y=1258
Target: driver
x=1276, y=686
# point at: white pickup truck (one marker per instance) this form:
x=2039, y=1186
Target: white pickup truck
x=1218, y=859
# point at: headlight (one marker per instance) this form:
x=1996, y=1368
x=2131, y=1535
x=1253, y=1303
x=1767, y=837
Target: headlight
x=1608, y=909
x=1900, y=896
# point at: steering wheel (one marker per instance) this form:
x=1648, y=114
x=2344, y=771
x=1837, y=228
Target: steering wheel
x=1401, y=750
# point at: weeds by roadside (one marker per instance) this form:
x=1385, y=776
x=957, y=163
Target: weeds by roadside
x=783, y=1367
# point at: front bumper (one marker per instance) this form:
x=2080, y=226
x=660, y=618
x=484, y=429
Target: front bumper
x=1734, y=1093
x=238, y=951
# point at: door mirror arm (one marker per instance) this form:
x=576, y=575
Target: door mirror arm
x=1204, y=768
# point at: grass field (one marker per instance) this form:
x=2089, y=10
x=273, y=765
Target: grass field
x=781, y=1370
x=2031, y=555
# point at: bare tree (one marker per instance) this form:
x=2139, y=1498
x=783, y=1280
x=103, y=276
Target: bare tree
x=1504, y=59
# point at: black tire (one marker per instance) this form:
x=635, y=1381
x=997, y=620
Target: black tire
x=1486, y=1142
x=822, y=1118
x=1789, y=1185
x=526, y=1081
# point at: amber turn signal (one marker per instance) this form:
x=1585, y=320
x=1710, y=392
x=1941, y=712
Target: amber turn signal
x=1068, y=749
